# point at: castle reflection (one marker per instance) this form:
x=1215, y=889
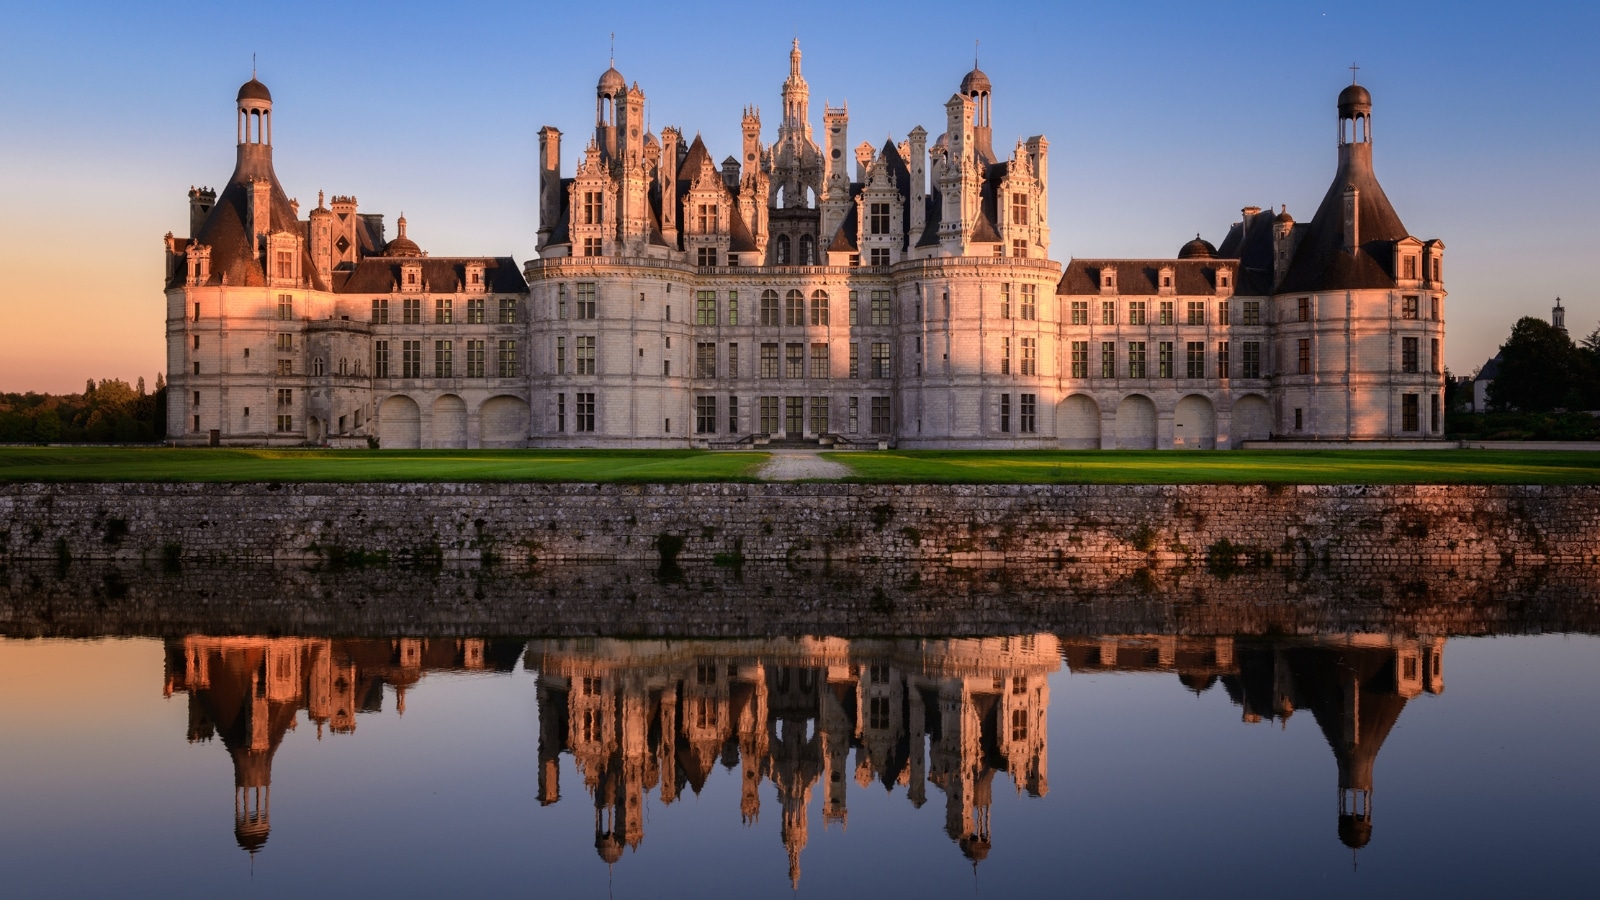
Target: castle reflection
x=809, y=715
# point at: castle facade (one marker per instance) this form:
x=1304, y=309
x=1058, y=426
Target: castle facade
x=783, y=294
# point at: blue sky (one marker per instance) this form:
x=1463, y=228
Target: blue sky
x=1164, y=119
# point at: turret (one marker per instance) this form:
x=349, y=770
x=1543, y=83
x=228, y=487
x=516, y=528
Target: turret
x=549, y=181
x=1558, y=317
x=201, y=200
x=321, y=228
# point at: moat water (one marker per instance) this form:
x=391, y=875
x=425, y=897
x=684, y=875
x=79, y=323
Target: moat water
x=1143, y=757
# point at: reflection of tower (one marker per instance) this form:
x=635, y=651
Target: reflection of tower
x=796, y=753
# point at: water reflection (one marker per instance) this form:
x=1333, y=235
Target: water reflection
x=799, y=718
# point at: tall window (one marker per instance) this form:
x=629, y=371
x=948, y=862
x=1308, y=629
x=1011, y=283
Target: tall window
x=1196, y=312
x=585, y=349
x=880, y=359
x=1027, y=413
x=380, y=359
x=506, y=352
x=1222, y=359
x=561, y=356
x=1433, y=356
x=411, y=313
x=285, y=367
x=443, y=314
x=1030, y=301
x=1222, y=309
x=819, y=360
x=794, y=309
x=1408, y=355
x=784, y=250
x=1434, y=312
x=733, y=415
x=881, y=422
x=1080, y=359
x=1410, y=307
x=733, y=307
x=593, y=246
x=733, y=360
x=284, y=263
x=1409, y=418
x=1019, y=208
x=819, y=415
x=1080, y=312
x=443, y=364
x=561, y=412
x=474, y=359
x=284, y=341
x=705, y=360
x=1005, y=413
x=1030, y=356
x=1136, y=359
x=1005, y=299
x=794, y=362
x=1108, y=359
x=1251, y=362
x=705, y=307
x=819, y=307
x=705, y=415
x=1196, y=358
x=561, y=301
x=1303, y=309
x=1167, y=317
x=475, y=311
x=769, y=307
x=1108, y=312
x=769, y=415
x=1164, y=355
x=878, y=218
x=855, y=360
x=1252, y=312
x=593, y=208
x=508, y=311
x=769, y=360
x=285, y=397
x=285, y=306
x=880, y=307
x=855, y=415
x=1005, y=356
x=1303, y=352
x=584, y=418
x=808, y=250
x=706, y=218
x=411, y=359
x=855, y=318
x=380, y=310
x=586, y=300
x=1433, y=415
x=1135, y=312
x=706, y=256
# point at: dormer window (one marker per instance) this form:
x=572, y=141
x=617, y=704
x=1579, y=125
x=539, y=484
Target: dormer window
x=1409, y=268
x=411, y=277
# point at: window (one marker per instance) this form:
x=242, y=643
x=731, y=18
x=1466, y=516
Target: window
x=819, y=307
x=733, y=307
x=443, y=314
x=561, y=301
x=1434, y=314
x=1408, y=413
x=1408, y=355
x=705, y=415
x=1108, y=312
x=1438, y=268
x=880, y=307
x=285, y=307
x=880, y=359
x=855, y=360
x=1252, y=360
x=1030, y=301
x=380, y=359
x=880, y=415
x=855, y=319
x=1303, y=309
x=281, y=363
x=819, y=360
x=1433, y=356
x=1135, y=312
x=380, y=311
x=1252, y=312
x=794, y=362
x=442, y=364
x=1005, y=413
x=1197, y=312
x=1196, y=359
x=1005, y=356
x=508, y=311
x=782, y=252
x=593, y=208
x=583, y=420
x=412, y=311
x=769, y=360
x=733, y=415
x=1408, y=267
x=1108, y=359
x=1019, y=208
x=506, y=352
x=1304, y=351
x=1222, y=359
x=1019, y=725
x=769, y=307
x=1027, y=409
x=1136, y=359
x=1166, y=312
x=1164, y=353
x=1005, y=299
x=285, y=423
x=878, y=218
x=316, y=366
x=561, y=412
x=475, y=311
x=1030, y=356
x=197, y=312
x=561, y=356
x=706, y=217
x=733, y=360
x=1019, y=248
x=705, y=360
x=819, y=415
x=1080, y=312
x=586, y=300
x=769, y=415
x=1410, y=307
x=1433, y=412
x=1299, y=419
x=1222, y=308
x=285, y=342
x=474, y=359
x=593, y=246
x=1080, y=359
x=794, y=309
x=285, y=397
x=585, y=344
x=285, y=367
x=706, y=256
x=855, y=415
x=705, y=307
x=808, y=250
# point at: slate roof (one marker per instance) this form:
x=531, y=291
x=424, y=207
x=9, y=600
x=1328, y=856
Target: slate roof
x=379, y=275
x=1141, y=277
x=1320, y=262
x=225, y=230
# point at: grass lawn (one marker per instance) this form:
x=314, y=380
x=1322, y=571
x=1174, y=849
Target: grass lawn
x=1223, y=467
x=150, y=464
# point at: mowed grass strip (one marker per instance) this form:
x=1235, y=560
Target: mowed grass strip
x=56, y=464
x=1222, y=467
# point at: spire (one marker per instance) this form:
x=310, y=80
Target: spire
x=794, y=62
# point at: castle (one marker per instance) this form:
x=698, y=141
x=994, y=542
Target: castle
x=678, y=302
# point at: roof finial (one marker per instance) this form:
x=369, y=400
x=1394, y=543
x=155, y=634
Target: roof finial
x=1353, y=68
x=974, y=53
x=613, y=49
x=252, y=67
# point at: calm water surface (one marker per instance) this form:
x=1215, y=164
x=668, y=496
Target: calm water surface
x=1106, y=765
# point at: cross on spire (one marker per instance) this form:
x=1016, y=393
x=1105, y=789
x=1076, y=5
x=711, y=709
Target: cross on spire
x=1353, y=68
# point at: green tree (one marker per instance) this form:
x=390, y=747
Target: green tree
x=1540, y=370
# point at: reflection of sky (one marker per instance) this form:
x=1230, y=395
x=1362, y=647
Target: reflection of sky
x=1165, y=119
x=1153, y=790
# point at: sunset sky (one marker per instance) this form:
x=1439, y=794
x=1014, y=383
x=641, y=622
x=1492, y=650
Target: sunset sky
x=1164, y=119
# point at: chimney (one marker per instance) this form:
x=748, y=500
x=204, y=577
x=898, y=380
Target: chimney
x=1352, y=215
x=201, y=200
x=549, y=181
x=260, y=212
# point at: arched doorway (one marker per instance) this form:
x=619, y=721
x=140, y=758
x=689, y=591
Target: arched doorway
x=1252, y=419
x=1078, y=423
x=1136, y=423
x=503, y=422
x=1194, y=424
x=449, y=422
x=399, y=424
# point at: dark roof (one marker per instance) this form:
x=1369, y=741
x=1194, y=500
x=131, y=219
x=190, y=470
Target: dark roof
x=226, y=232
x=932, y=210
x=1251, y=243
x=975, y=81
x=1490, y=369
x=1140, y=277
x=844, y=241
x=1197, y=249
x=254, y=90
x=378, y=275
x=1353, y=99
x=1321, y=262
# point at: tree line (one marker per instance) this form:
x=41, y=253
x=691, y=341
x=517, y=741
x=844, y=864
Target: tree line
x=109, y=411
x=1544, y=389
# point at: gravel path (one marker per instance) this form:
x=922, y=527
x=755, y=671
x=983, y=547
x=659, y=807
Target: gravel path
x=795, y=465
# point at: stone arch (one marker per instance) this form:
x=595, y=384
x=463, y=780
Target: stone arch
x=449, y=422
x=1194, y=424
x=1078, y=423
x=1252, y=419
x=503, y=422
x=399, y=423
x=1136, y=423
